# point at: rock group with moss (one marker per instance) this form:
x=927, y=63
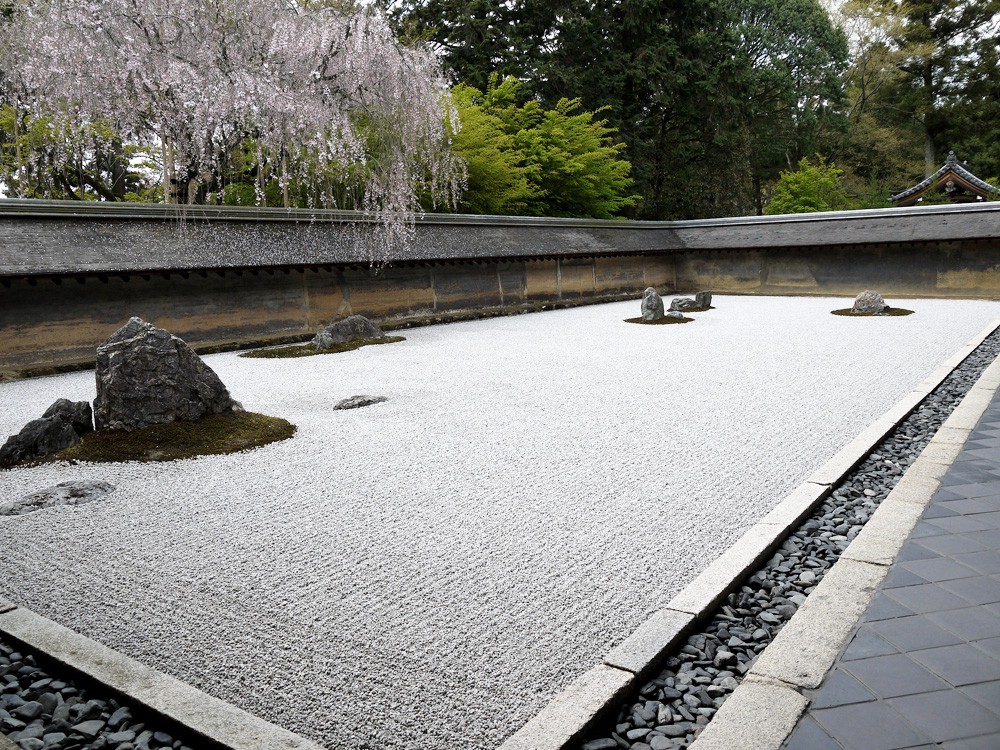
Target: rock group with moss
x=352, y=327
x=61, y=426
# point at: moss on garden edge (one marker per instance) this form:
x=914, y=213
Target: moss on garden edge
x=212, y=435
x=890, y=312
x=308, y=350
x=660, y=322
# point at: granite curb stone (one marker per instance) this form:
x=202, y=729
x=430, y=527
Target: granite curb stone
x=202, y=714
x=567, y=716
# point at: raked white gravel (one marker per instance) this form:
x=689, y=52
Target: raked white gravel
x=429, y=572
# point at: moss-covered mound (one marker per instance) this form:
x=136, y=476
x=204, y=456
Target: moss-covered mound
x=660, y=322
x=308, y=350
x=890, y=312
x=211, y=435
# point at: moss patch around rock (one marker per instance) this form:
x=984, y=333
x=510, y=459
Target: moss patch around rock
x=308, y=350
x=212, y=435
x=890, y=313
x=660, y=322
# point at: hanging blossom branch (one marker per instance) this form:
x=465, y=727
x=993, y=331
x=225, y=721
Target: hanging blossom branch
x=328, y=92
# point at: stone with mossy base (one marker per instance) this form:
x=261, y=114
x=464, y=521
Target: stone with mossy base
x=343, y=331
x=669, y=318
x=212, y=435
x=308, y=350
x=871, y=304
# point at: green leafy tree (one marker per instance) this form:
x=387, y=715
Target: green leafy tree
x=527, y=159
x=811, y=188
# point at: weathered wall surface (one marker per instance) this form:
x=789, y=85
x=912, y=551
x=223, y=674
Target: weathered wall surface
x=66, y=282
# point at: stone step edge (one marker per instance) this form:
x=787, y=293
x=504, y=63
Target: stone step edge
x=807, y=647
x=590, y=697
x=203, y=715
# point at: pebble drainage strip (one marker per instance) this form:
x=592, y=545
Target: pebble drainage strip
x=672, y=708
x=40, y=712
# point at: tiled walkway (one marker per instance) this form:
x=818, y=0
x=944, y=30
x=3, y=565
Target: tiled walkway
x=923, y=668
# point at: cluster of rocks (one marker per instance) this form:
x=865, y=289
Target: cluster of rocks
x=695, y=681
x=352, y=327
x=869, y=302
x=39, y=712
x=145, y=376
x=61, y=426
x=652, y=305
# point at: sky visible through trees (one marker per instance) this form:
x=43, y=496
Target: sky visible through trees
x=635, y=108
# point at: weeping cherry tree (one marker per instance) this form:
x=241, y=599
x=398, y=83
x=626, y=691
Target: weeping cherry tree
x=323, y=93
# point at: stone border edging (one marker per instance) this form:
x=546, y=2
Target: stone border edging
x=807, y=647
x=201, y=714
x=571, y=713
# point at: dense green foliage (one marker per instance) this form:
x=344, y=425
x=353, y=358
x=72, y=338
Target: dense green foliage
x=525, y=159
x=812, y=187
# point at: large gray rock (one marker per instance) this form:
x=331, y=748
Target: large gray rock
x=703, y=299
x=61, y=426
x=147, y=376
x=353, y=327
x=679, y=304
x=64, y=493
x=869, y=301
x=652, y=305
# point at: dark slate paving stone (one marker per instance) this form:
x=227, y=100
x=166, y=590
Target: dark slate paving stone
x=977, y=489
x=951, y=544
x=866, y=644
x=869, y=726
x=913, y=550
x=992, y=647
x=928, y=597
x=978, y=590
x=963, y=664
x=987, y=561
x=970, y=624
x=968, y=506
x=937, y=510
x=946, y=715
x=992, y=517
x=898, y=576
x=943, y=495
x=884, y=608
x=809, y=735
x=984, y=742
x=941, y=569
x=960, y=524
x=893, y=675
x=912, y=633
x=986, y=694
x=990, y=539
x=840, y=688
x=925, y=529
